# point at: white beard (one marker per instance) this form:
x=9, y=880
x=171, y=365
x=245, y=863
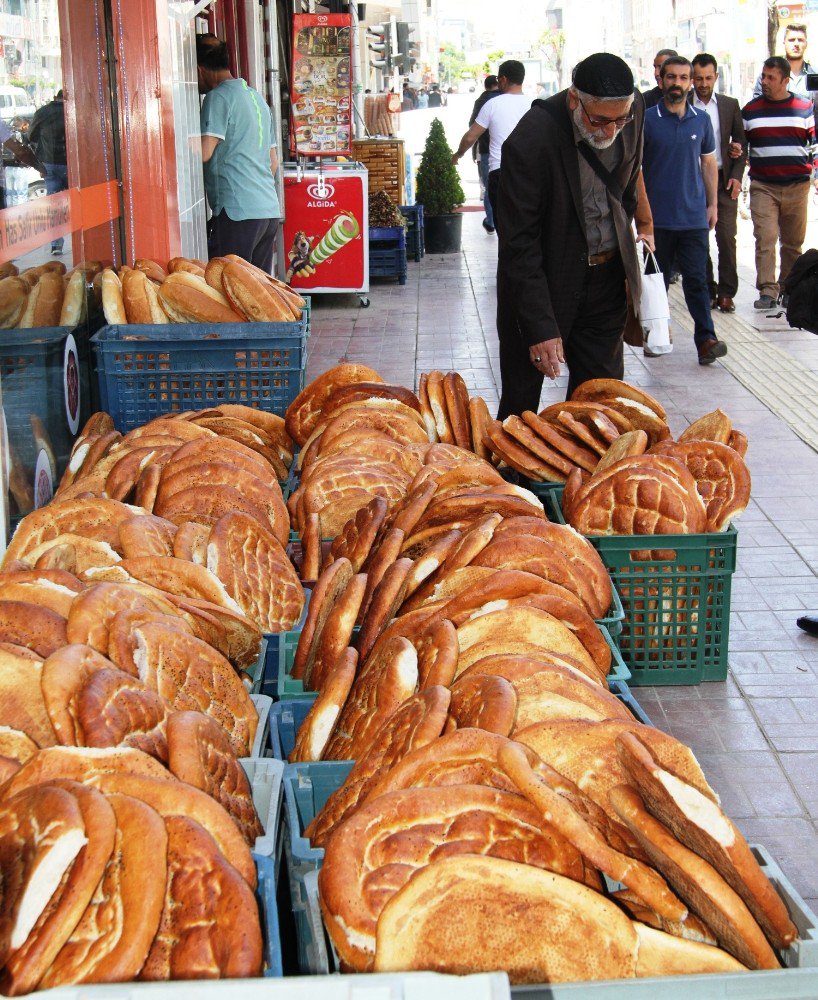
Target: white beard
x=598, y=140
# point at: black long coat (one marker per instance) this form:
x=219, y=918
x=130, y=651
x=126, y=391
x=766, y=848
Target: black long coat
x=543, y=247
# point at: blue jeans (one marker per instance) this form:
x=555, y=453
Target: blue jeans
x=483, y=171
x=690, y=249
x=56, y=179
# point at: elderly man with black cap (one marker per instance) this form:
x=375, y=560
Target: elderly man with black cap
x=570, y=183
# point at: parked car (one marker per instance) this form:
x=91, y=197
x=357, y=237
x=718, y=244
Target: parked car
x=15, y=103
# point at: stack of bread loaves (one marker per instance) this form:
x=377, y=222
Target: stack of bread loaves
x=44, y=295
x=223, y=290
x=699, y=483
x=496, y=779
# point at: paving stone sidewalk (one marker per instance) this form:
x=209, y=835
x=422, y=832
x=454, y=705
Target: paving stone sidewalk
x=756, y=735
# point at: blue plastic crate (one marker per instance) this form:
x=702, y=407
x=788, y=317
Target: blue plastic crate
x=268, y=908
x=415, y=242
x=387, y=237
x=388, y=264
x=146, y=371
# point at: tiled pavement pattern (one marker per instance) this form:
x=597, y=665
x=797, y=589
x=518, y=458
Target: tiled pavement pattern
x=757, y=734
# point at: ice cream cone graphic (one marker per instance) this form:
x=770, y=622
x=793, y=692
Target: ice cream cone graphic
x=343, y=230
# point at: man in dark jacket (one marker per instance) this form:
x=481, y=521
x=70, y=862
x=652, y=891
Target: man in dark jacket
x=47, y=138
x=654, y=95
x=566, y=246
x=481, y=149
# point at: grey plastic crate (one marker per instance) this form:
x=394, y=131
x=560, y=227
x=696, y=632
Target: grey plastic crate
x=261, y=743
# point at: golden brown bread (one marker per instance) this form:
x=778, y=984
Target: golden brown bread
x=328, y=589
x=27, y=963
x=664, y=954
x=484, y=701
x=358, y=536
x=701, y=825
x=738, y=442
x=457, y=408
x=187, y=298
x=186, y=265
x=93, y=610
x=721, y=475
x=627, y=445
x=75, y=303
x=37, y=628
x=479, y=418
x=210, y=934
x=430, y=822
x=319, y=723
x=254, y=298
x=151, y=268
x=310, y=565
x=697, y=883
x=304, y=412
x=436, y=395
x=585, y=752
x=336, y=634
x=604, y=389
x=385, y=681
x=44, y=302
x=437, y=652
x=438, y=922
x=417, y=722
x=16, y=745
x=177, y=576
x=255, y=572
x=123, y=916
x=425, y=407
x=714, y=426
x=386, y=599
x=86, y=765
x=112, y=305
x=519, y=457
x=13, y=298
x=146, y=535
x=560, y=813
x=200, y=754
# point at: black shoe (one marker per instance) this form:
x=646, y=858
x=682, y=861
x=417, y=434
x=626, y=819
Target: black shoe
x=487, y=227
x=809, y=623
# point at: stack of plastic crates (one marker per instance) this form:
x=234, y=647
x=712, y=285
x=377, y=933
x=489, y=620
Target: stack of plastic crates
x=387, y=253
x=415, y=244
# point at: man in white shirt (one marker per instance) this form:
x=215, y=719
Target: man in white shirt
x=795, y=52
x=725, y=115
x=500, y=117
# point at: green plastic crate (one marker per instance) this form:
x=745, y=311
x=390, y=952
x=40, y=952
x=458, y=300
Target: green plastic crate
x=682, y=636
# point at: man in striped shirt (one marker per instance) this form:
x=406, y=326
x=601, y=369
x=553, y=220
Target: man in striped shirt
x=780, y=129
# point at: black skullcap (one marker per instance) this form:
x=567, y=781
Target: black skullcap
x=603, y=75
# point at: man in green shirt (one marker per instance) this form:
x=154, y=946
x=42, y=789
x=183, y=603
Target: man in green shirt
x=240, y=161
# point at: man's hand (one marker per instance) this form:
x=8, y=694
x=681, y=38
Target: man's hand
x=648, y=240
x=734, y=150
x=734, y=187
x=712, y=216
x=547, y=356
x=455, y=159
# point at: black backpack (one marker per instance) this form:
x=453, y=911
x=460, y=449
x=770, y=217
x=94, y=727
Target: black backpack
x=801, y=287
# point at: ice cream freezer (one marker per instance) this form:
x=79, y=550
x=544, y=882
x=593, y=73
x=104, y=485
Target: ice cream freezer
x=325, y=244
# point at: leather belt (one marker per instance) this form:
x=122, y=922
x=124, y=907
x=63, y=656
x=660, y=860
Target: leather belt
x=601, y=258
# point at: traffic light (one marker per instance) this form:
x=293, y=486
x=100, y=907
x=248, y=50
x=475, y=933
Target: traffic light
x=380, y=43
x=407, y=50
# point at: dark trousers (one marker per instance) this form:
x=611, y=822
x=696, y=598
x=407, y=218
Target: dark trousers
x=689, y=248
x=593, y=345
x=726, y=229
x=483, y=172
x=494, y=193
x=251, y=239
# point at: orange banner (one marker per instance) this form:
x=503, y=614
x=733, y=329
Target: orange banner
x=27, y=227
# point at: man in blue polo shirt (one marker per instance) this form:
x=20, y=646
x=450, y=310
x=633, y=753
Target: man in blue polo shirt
x=681, y=179
x=240, y=161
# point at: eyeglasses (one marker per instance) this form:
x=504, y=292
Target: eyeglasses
x=596, y=122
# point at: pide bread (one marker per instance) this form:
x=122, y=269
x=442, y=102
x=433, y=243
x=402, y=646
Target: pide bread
x=417, y=722
x=319, y=723
x=431, y=821
x=484, y=701
x=123, y=916
x=437, y=653
x=328, y=589
x=304, y=411
x=714, y=426
x=358, y=535
x=603, y=389
x=544, y=928
x=146, y=535
x=336, y=634
x=700, y=825
x=200, y=754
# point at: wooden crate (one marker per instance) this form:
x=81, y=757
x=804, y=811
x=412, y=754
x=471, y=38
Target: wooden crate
x=386, y=162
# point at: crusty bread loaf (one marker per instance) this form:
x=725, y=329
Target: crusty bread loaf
x=457, y=408
x=304, y=412
x=75, y=302
x=186, y=265
x=187, y=298
x=154, y=271
x=13, y=299
x=255, y=299
x=317, y=728
x=135, y=297
x=44, y=303
x=484, y=701
x=604, y=389
x=112, y=304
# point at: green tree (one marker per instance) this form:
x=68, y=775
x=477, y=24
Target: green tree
x=453, y=62
x=493, y=60
x=552, y=45
x=438, y=183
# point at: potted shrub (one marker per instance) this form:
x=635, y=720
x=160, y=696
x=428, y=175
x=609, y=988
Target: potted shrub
x=438, y=190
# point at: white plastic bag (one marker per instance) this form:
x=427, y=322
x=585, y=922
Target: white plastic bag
x=654, y=310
